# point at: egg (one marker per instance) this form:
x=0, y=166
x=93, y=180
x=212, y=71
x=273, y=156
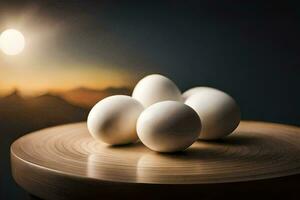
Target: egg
x=155, y=88
x=168, y=126
x=113, y=120
x=219, y=112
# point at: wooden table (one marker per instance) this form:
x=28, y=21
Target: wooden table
x=65, y=162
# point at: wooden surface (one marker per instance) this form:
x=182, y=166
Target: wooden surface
x=65, y=162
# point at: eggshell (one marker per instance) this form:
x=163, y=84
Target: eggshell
x=195, y=90
x=155, y=88
x=168, y=126
x=219, y=113
x=113, y=120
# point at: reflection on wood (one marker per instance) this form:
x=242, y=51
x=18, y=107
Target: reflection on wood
x=65, y=162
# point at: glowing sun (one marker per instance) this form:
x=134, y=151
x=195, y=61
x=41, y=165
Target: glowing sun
x=12, y=42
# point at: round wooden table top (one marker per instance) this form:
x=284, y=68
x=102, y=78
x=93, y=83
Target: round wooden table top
x=66, y=162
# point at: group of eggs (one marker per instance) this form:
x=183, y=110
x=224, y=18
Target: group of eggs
x=162, y=118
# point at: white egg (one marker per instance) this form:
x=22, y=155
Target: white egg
x=168, y=126
x=219, y=113
x=113, y=120
x=155, y=88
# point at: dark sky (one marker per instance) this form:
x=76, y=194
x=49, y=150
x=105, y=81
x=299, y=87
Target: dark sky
x=250, y=49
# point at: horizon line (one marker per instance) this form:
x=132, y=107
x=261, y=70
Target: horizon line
x=57, y=91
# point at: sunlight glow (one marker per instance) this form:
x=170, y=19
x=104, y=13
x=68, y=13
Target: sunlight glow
x=12, y=42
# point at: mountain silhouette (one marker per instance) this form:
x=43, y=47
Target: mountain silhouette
x=37, y=112
x=86, y=97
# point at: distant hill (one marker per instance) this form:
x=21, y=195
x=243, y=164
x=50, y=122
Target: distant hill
x=86, y=97
x=20, y=115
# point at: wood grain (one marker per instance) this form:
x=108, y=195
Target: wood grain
x=65, y=162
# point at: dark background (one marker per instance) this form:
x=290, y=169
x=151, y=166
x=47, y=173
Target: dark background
x=249, y=49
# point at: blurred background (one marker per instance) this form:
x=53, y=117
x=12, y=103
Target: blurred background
x=78, y=52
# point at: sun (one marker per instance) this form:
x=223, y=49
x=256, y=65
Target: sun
x=12, y=42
